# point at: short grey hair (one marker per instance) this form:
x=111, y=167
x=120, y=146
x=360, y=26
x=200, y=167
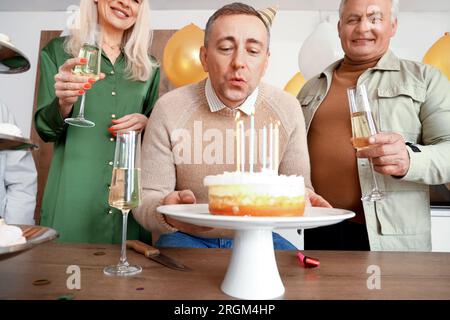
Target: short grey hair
x=395, y=5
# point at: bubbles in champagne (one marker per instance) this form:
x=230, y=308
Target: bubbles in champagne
x=92, y=68
x=361, y=129
x=125, y=189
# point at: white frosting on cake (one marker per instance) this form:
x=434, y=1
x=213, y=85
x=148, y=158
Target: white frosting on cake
x=10, y=235
x=263, y=183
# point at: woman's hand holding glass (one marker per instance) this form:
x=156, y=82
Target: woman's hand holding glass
x=129, y=122
x=69, y=86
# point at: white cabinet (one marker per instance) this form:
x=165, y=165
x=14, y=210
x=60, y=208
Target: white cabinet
x=293, y=236
x=440, y=230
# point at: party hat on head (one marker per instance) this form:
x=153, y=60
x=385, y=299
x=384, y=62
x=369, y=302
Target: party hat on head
x=268, y=14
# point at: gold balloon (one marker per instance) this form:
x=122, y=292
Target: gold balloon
x=295, y=84
x=181, y=60
x=439, y=55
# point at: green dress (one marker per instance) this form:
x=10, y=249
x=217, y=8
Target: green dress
x=75, y=200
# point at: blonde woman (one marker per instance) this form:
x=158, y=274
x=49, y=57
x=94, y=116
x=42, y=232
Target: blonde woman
x=75, y=200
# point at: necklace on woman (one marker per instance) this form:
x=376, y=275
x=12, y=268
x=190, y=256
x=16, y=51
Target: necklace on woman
x=112, y=47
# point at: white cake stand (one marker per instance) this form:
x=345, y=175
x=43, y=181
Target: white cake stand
x=252, y=272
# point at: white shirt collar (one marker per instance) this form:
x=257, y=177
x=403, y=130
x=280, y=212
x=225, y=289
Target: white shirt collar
x=215, y=104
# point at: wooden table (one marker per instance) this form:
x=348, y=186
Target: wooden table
x=341, y=275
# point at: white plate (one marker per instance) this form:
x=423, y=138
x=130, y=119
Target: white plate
x=45, y=234
x=199, y=214
x=8, y=142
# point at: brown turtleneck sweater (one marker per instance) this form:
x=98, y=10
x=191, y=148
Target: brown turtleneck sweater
x=334, y=172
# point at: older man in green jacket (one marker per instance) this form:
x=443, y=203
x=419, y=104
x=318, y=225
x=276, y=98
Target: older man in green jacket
x=411, y=106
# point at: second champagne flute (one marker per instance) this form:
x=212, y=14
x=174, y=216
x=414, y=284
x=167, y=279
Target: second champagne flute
x=363, y=126
x=125, y=193
x=92, y=51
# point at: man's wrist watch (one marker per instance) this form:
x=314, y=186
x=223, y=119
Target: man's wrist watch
x=412, y=146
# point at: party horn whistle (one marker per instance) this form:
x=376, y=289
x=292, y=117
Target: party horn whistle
x=308, y=262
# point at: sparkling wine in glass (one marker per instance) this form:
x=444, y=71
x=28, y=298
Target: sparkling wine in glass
x=363, y=126
x=92, y=52
x=125, y=193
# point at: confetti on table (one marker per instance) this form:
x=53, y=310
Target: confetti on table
x=41, y=282
x=99, y=253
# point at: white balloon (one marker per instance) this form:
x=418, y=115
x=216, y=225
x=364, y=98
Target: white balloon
x=319, y=50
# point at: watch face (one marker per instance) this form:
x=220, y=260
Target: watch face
x=440, y=196
x=413, y=147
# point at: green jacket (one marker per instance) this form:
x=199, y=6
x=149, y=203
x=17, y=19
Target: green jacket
x=412, y=99
x=75, y=201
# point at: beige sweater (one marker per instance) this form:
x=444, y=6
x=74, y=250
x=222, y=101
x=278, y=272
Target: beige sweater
x=184, y=142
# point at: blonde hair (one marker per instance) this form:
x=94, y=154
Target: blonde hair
x=136, y=40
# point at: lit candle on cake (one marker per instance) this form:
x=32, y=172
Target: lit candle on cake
x=264, y=147
x=276, y=146
x=238, y=142
x=271, y=167
x=242, y=134
x=251, y=157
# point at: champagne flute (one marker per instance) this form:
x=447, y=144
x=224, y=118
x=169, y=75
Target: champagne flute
x=363, y=126
x=92, y=51
x=125, y=192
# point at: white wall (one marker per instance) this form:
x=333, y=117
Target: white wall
x=417, y=32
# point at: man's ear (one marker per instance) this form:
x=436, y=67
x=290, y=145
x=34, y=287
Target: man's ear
x=202, y=56
x=339, y=28
x=394, y=27
x=267, y=62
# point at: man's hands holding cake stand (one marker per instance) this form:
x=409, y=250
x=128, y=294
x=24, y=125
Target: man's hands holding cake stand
x=188, y=197
x=183, y=197
x=314, y=200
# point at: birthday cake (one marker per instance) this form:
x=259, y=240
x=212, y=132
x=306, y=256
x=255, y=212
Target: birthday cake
x=255, y=194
